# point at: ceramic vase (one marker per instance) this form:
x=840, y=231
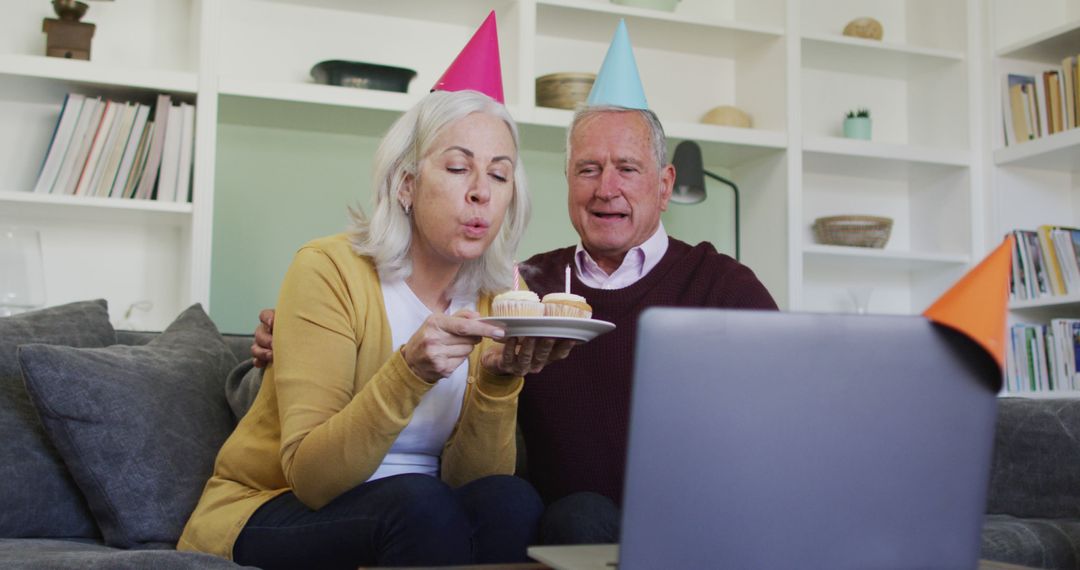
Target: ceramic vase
x=857, y=128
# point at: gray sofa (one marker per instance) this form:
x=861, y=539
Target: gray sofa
x=109, y=437
x=1033, y=506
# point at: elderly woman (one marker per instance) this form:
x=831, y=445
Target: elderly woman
x=384, y=429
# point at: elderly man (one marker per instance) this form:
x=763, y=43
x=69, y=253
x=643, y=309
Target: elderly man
x=574, y=414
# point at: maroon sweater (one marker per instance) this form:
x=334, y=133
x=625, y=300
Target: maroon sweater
x=574, y=414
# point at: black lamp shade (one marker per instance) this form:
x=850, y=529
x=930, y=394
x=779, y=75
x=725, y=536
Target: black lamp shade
x=689, y=174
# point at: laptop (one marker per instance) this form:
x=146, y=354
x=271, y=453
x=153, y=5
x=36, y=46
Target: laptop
x=788, y=440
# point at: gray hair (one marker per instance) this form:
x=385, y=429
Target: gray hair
x=387, y=235
x=656, y=130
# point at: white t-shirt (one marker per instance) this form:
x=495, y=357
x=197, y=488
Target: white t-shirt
x=418, y=447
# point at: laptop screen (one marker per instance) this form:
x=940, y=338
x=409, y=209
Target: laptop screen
x=787, y=440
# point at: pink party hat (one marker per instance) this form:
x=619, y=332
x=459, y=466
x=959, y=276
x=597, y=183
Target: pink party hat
x=477, y=67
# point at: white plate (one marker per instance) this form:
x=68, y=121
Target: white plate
x=553, y=327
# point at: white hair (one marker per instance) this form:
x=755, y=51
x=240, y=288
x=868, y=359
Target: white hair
x=656, y=130
x=387, y=235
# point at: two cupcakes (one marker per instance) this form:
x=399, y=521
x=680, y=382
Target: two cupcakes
x=528, y=304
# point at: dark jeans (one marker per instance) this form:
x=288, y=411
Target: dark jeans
x=404, y=520
x=580, y=518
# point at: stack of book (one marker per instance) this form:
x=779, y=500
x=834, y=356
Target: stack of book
x=115, y=149
x=1043, y=357
x=1046, y=263
x=1039, y=106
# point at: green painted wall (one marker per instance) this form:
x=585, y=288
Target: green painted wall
x=710, y=220
x=278, y=187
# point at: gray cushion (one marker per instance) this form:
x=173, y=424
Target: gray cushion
x=239, y=344
x=35, y=554
x=37, y=496
x=1032, y=439
x=1038, y=543
x=138, y=426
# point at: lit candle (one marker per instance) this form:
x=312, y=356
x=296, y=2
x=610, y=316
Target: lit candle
x=517, y=278
x=567, y=278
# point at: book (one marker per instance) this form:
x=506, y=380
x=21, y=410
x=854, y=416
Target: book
x=1042, y=375
x=170, y=157
x=131, y=148
x=187, y=151
x=1017, y=287
x=1049, y=254
x=1076, y=90
x=1069, y=81
x=111, y=151
x=153, y=161
x=1031, y=359
x=1027, y=275
x=1075, y=341
x=1053, y=91
x=92, y=109
x=61, y=140
x=1066, y=255
x=139, y=166
x=96, y=145
x=1041, y=278
x=1019, y=106
x=1008, y=132
x=1038, y=109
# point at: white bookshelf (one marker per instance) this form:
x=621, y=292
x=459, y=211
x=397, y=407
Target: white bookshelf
x=316, y=94
x=1053, y=302
x=150, y=211
x=1043, y=395
x=919, y=168
x=1035, y=182
x=247, y=63
x=843, y=149
x=93, y=74
x=1057, y=152
x=1047, y=45
x=862, y=258
x=123, y=250
x=871, y=57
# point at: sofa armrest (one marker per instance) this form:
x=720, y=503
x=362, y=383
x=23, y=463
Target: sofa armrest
x=1036, y=467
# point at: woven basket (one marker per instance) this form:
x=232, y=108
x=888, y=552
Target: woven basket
x=563, y=90
x=858, y=231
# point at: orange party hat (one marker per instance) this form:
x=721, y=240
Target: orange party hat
x=477, y=67
x=977, y=304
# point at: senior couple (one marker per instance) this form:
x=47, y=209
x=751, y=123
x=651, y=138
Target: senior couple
x=384, y=429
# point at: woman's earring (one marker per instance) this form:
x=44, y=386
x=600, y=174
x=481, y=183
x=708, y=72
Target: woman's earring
x=408, y=209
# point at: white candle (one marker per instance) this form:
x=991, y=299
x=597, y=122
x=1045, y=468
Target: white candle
x=567, y=278
x=517, y=278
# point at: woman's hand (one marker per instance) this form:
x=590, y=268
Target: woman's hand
x=519, y=356
x=443, y=342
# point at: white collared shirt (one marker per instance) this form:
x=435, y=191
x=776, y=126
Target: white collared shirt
x=639, y=261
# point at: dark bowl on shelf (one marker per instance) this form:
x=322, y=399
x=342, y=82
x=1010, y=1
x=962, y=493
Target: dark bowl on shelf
x=363, y=75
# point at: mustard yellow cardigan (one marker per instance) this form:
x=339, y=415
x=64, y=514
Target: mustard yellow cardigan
x=336, y=398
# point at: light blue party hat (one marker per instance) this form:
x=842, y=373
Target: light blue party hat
x=618, y=82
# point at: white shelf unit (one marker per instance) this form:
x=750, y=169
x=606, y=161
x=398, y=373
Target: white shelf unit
x=918, y=168
x=123, y=250
x=247, y=64
x=741, y=43
x=1035, y=182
